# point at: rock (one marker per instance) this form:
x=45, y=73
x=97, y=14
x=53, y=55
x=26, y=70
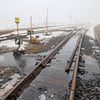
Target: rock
x=52, y=96
x=97, y=88
x=42, y=97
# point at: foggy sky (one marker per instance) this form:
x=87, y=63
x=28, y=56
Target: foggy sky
x=81, y=11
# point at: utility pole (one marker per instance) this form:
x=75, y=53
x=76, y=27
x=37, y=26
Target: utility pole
x=30, y=28
x=17, y=21
x=47, y=21
x=47, y=17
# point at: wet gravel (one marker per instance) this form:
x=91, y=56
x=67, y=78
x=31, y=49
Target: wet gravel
x=87, y=45
x=52, y=43
x=88, y=88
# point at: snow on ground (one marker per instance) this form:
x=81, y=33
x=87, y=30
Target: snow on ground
x=90, y=32
x=10, y=44
x=42, y=38
x=42, y=97
x=1, y=58
x=9, y=85
x=50, y=35
x=15, y=32
x=45, y=38
x=20, y=32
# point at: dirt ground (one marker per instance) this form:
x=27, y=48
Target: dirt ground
x=43, y=47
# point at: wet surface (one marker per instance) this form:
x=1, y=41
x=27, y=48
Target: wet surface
x=89, y=82
x=88, y=78
x=52, y=82
x=21, y=65
x=24, y=63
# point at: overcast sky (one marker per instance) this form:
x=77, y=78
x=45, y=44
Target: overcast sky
x=59, y=11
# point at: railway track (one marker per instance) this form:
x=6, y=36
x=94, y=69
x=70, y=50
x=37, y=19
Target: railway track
x=16, y=91
x=70, y=61
x=75, y=57
x=73, y=85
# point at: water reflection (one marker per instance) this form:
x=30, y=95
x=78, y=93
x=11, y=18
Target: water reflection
x=24, y=63
x=21, y=62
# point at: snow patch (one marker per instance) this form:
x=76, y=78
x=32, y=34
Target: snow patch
x=10, y=43
x=42, y=97
x=90, y=32
x=15, y=32
x=45, y=38
x=9, y=85
x=1, y=58
x=42, y=38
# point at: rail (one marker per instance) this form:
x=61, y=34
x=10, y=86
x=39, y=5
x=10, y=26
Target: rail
x=73, y=85
x=70, y=61
x=15, y=92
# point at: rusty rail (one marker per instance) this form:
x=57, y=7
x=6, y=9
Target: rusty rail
x=52, y=54
x=70, y=61
x=73, y=85
x=15, y=92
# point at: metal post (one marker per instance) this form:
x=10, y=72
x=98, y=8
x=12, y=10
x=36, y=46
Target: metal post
x=17, y=21
x=47, y=17
x=30, y=28
x=47, y=21
x=17, y=29
x=18, y=36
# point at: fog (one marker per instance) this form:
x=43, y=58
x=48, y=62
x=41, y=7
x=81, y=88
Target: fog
x=59, y=12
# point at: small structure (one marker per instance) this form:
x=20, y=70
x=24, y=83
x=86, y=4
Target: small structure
x=18, y=41
x=20, y=50
x=33, y=39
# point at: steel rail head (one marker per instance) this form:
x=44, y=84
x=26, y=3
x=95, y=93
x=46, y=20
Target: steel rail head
x=69, y=63
x=73, y=85
x=45, y=60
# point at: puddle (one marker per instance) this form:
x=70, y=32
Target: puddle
x=1, y=58
x=52, y=82
x=91, y=64
x=25, y=63
x=90, y=68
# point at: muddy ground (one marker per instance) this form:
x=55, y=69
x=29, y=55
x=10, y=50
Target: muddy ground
x=41, y=47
